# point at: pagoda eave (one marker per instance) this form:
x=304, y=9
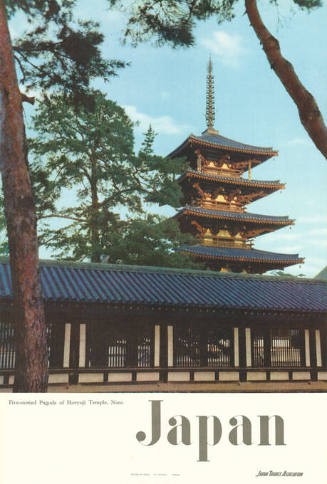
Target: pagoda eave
x=260, y=184
x=263, y=152
x=228, y=146
x=235, y=217
x=247, y=256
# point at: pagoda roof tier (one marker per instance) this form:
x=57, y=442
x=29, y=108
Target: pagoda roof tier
x=212, y=139
x=244, y=255
x=267, y=184
x=239, y=216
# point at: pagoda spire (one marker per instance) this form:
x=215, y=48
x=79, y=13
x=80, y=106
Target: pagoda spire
x=210, y=98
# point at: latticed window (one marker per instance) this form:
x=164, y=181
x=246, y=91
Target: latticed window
x=258, y=348
x=278, y=347
x=119, y=346
x=219, y=347
x=187, y=347
x=144, y=350
x=117, y=352
x=287, y=347
x=7, y=346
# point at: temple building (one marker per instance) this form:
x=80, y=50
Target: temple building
x=216, y=198
x=131, y=328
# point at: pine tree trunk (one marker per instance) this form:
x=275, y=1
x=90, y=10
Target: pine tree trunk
x=30, y=329
x=309, y=112
x=95, y=235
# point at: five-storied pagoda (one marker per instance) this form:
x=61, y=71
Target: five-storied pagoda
x=216, y=195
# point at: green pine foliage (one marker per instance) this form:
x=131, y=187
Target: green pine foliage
x=173, y=21
x=58, y=50
x=85, y=174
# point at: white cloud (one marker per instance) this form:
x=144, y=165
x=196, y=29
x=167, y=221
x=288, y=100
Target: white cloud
x=314, y=219
x=161, y=124
x=322, y=232
x=318, y=243
x=291, y=249
x=228, y=48
x=299, y=142
x=282, y=237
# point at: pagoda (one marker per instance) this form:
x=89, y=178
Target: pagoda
x=215, y=199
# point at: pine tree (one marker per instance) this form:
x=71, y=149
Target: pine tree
x=55, y=52
x=90, y=152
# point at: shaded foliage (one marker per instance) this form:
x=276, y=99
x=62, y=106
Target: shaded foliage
x=173, y=21
x=90, y=150
x=57, y=51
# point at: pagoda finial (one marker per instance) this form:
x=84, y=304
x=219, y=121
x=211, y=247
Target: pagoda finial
x=210, y=106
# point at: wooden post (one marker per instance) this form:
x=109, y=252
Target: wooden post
x=267, y=347
x=82, y=345
x=236, y=348
x=170, y=345
x=66, y=358
x=156, y=345
x=318, y=347
x=248, y=348
x=204, y=346
x=307, y=347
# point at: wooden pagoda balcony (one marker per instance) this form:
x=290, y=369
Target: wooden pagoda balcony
x=222, y=172
x=213, y=205
x=217, y=242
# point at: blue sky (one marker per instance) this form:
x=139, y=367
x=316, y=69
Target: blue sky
x=166, y=87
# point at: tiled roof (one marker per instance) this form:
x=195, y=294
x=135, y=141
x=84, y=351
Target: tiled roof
x=219, y=140
x=229, y=253
x=235, y=215
x=228, y=179
x=215, y=140
x=322, y=275
x=155, y=287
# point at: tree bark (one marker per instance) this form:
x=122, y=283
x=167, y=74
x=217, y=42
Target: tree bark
x=308, y=109
x=95, y=235
x=30, y=329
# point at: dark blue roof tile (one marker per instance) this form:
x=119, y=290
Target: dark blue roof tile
x=217, y=139
x=235, y=215
x=132, y=285
x=234, y=253
x=214, y=139
x=243, y=181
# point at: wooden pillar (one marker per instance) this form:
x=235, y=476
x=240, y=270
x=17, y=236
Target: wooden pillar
x=248, y=347
x=170, y=345
x=132, y=344
x=242, y=349
x=307, y=347
x=74, y=346
x=56, y=342
x=163, y=346
x=267, y=347
x=323, y=341
x=204, y=346
x=312, y=346
x=236, y=348
x=66, y=356
x=318, y=347
x=156, y=357
x=82, y=346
